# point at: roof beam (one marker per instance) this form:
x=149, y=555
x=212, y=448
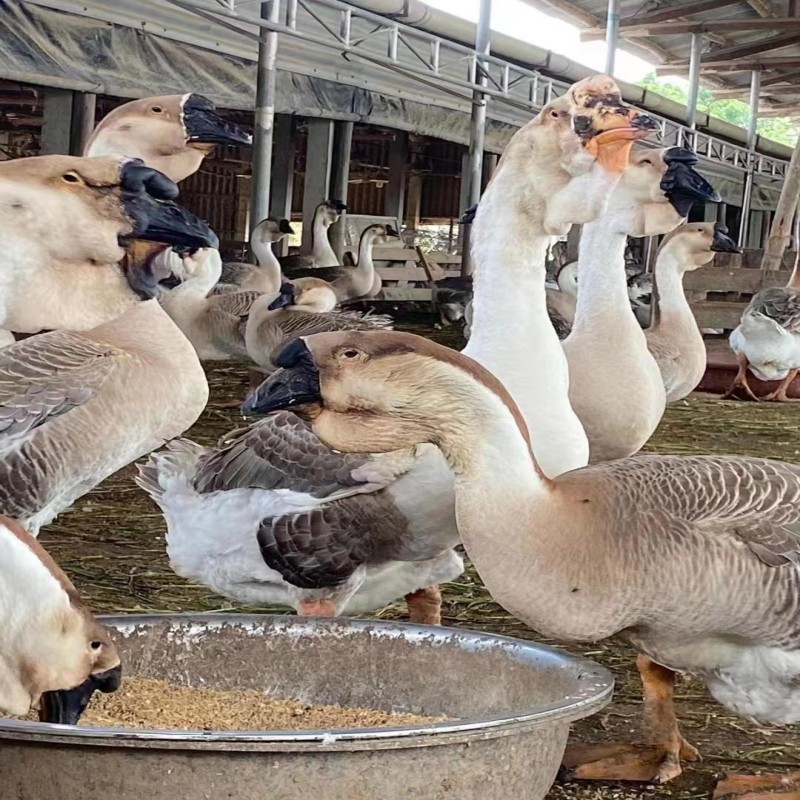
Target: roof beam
x=729, y=66
x=769, y=85
x=719, y=26
x=674, y=11
x=752, y=48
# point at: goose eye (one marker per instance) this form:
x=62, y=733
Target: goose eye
x=157, y=109
x=350, y=353
x=554, y=114
x=71, y=177
x=96, y=645
x=646, y=161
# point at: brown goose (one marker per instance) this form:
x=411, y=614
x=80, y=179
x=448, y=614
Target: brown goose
x=350, y=283
x=172, y=133
x=53, y=653
x=76, y=406
x=673, y=338
x=275, y=318
x=203, y=522
x=693, y=560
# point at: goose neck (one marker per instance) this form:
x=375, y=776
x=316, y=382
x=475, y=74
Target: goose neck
x=670, y=300
x=321, y=248
x=268, y=263
x=512, y=335
x=602, y=284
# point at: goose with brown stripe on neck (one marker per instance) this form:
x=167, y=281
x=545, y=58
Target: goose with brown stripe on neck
x=53, y=653
x=293, y=484
x=171, y=133
x=693, y=560
x=78, y=404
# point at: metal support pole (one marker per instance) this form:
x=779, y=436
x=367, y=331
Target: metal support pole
x=84, y=108
x=395, y=194
x=340, y=178
x=264, y=116
x=612, y=35
x=282, y=183
x=474, y=173
x=752, y=136
x=57, y=122
x=317, y=178
x=694, y=87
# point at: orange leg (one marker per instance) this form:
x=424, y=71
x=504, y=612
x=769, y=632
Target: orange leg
x=316, y=608
x=658, y=758
x=759, y=787
x=425, y=606
x=740, y=382
x=779, y=395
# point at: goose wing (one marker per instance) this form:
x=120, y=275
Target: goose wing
x=304, y=323
x=236, y=304
x=780, y=304
x=329, y=274
x=42, y=379
x=323, y=545
x=234, y=272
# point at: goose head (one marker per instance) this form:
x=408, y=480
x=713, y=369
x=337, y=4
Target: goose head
x=67, y=210
x=379, y=234
x=656, y=191
x=694, y=244
x=272, y=229
x=329, y=211
x=372, y=391
x=53, y=653
x=567, y=278
x=314, y=295
x=588, y=125
x=172, y=133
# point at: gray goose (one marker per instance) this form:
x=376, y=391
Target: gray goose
x=76, y=406
x=693, y=560
x=321, y=255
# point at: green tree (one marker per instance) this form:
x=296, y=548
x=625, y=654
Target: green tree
x=736, y=112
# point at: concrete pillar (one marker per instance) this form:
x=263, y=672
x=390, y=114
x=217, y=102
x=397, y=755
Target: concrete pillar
x=317, y=179
x=284, y=143
x=414, y=205
x=765, y=228
x=395, y=196
x=340, y=177
x=722, y=213
x=57, y=124
x=489, y=166
x=710, y=212
x=84, y=110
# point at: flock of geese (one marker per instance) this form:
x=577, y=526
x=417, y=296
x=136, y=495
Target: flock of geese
x=377, y=453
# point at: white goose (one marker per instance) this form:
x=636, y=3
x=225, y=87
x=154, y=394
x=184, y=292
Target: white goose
x=53, y=653
x=693, y=560
x=77, y=405
x=325, y=214
x=674, y=340
x=238, y=516
x=767, y=341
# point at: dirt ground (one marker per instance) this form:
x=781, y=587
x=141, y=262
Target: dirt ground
x=112, y=546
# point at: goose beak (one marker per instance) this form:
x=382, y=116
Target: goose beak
x=682, y=184
x=67, y=706
x=285, y=298
x=204, y=126
x=722, y=242
x=469, y=215
x=390, y=231
x=296, y=383
x=284, y=226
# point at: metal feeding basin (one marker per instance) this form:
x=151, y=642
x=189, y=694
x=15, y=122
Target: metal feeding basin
x=511, y=703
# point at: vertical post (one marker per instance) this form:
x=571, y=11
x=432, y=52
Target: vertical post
x=752, y=136
x=694, y=86
x=84, y=109
x=282, y=189
x=57, y=122
x=340, y=177
x=489, y=166
x=793, y=7
x=781, y=230
x=317, y=178
x=612, y=35
x=413, y=210
x=477, y=137
x=264, y=116
x=395, y=196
